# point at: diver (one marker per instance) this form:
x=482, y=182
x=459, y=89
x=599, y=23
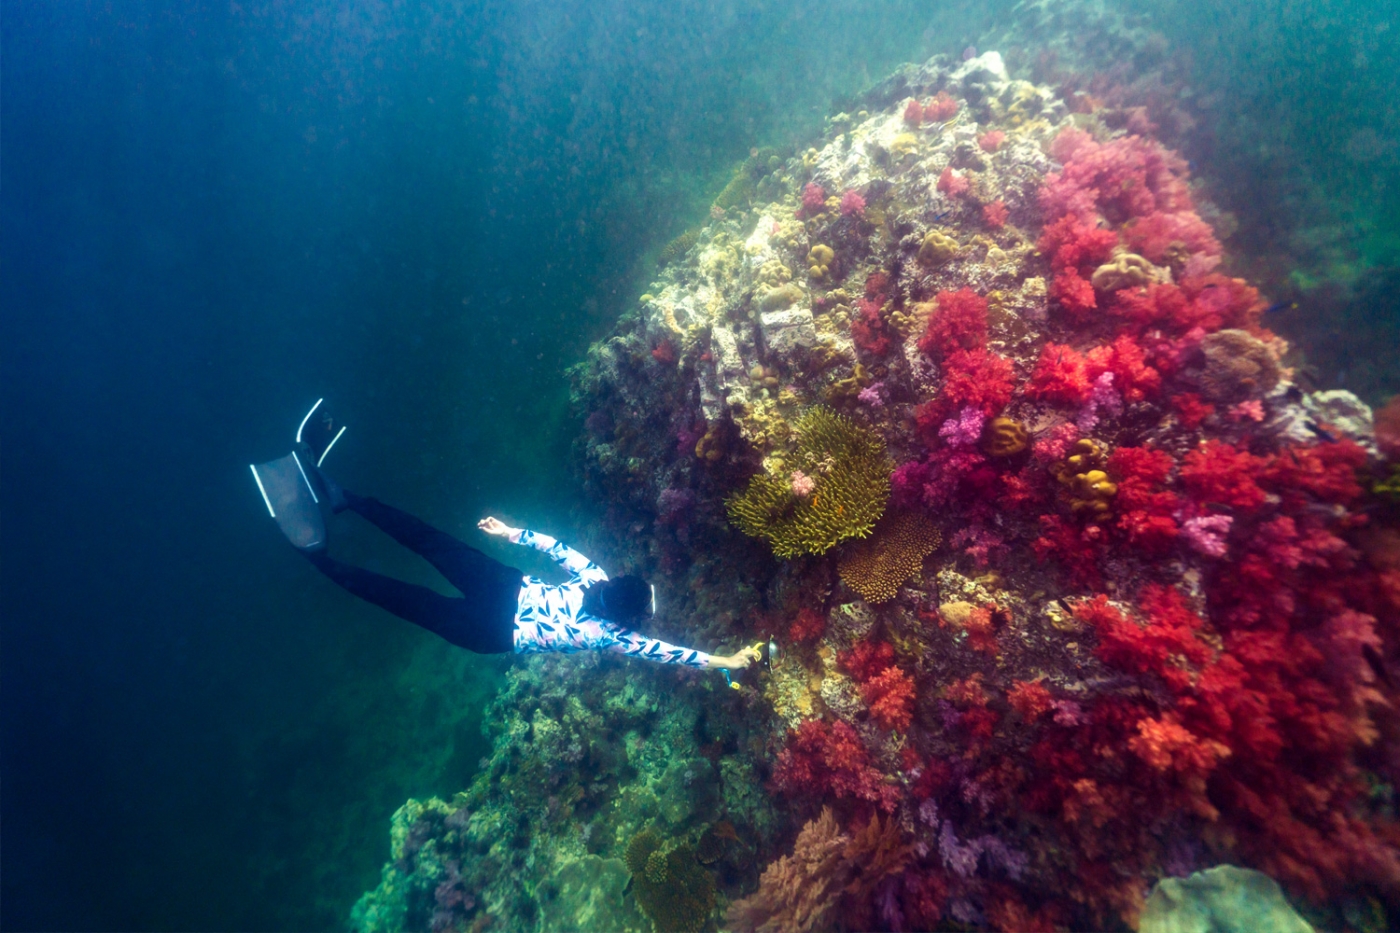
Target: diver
x=501, y=609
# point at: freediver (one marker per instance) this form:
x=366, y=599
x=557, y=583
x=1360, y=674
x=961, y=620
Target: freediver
x=501, y=609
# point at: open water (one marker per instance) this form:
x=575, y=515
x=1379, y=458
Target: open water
x=214, y=213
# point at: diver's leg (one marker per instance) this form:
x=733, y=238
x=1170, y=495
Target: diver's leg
x=463, y=565
x=459, y=621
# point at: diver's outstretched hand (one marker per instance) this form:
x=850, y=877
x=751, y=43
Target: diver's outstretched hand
x=494, y=526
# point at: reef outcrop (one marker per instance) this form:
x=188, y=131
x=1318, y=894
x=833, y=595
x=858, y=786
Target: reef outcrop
x=1134, y=611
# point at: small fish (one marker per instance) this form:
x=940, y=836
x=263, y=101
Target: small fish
x=1278, y=306
x=1322, y=432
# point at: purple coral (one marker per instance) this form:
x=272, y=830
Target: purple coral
x=979, y=542
x=958, y=858
x=802, y=484
x=873, y=395
x=672, y=505
x=1103, y=400
x=964, y=430
x=1000, y=855
x=1206, y=533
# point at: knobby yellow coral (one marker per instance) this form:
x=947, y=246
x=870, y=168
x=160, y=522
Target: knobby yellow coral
x=877, y=566
x=1089, y=487
x=852, y=485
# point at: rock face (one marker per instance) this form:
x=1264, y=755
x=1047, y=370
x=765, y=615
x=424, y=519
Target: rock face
x=1224, y=899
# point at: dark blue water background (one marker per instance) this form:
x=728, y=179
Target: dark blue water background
x=212, y=214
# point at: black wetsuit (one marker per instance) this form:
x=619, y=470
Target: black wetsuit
x=482, y=619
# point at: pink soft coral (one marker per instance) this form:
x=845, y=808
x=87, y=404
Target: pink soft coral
x=852, y=204
x=953, y=184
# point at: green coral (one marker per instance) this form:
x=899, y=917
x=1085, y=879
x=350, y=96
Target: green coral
x=678, y=247
x=852, y=485
x=1388, y=487
x=671, y=887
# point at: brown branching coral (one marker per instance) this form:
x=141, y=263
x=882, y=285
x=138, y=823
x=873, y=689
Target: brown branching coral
x=670, y=886
x=1239, y=366
x=876, y=566
x=805, y=890
x=852, y=476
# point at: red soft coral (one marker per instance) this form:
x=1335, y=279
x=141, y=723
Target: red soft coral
x=821, y=759
x=959, y=322
x=991, y=140
x=1060, y=376
x=1074, y=294
x=808, y=626
x=890, y=697
x=1030, y=699
x=867, y=659
x=1191, y=409
x=977, y=379
x=1216, y=473
x=1078, y=548
x=1121, y=179
x=1133, y=378
x=868, y=328
x=1159, y=236
x=1145, y=513
x=1073, y=243
x=940, y=107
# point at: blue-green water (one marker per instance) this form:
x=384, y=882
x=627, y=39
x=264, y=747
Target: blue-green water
x=214, y=213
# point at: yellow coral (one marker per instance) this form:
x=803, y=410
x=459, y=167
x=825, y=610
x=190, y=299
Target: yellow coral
x=819, y=260
x=1128, y=270
x=876, y=566
x=1088, y=485
x=1004, y=438
x=937, y=248
x=852, y=476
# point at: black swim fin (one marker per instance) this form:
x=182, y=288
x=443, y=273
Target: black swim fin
x=291, y=500
x=294, y=489
x=318, y=432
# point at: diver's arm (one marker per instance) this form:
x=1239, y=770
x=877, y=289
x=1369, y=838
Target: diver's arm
x=635, y=645
x=560, y=553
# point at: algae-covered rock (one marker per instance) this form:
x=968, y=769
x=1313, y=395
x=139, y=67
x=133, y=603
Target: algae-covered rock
x=590, y=894
x=1224, y=899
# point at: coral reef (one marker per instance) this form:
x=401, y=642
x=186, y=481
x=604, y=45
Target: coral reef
x=1164, y=632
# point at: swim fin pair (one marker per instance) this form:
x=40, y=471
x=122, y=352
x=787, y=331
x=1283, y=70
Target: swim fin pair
x=293, y=487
